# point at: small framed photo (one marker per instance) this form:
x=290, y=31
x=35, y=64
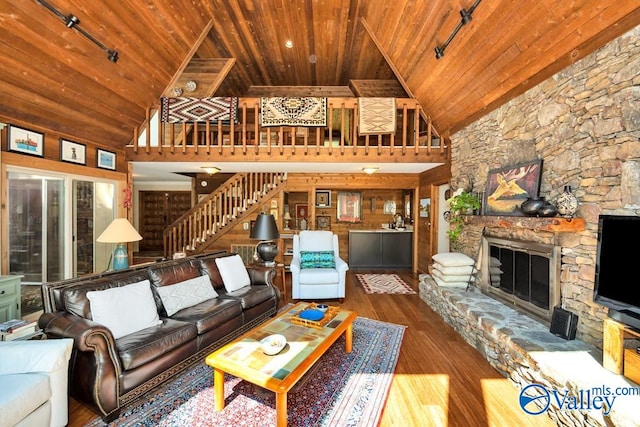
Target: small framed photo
x=323, y=198
x=274, y=212
x=73, y=152
x=274, y=203
x=323, y=222
x=25, y=141
x=302, y=211
x=105, y=159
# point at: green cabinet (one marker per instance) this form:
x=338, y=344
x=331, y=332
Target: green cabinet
x=10, y=298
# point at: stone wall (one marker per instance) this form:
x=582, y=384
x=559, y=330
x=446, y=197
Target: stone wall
x=524, y=351
x=584, y=123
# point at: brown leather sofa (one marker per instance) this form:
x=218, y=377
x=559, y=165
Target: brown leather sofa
x=107, y=373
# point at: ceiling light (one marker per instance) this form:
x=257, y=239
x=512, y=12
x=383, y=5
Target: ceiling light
x=210, y=169
x=288, y=44
x=369, y=170
x=72, y=21
x=465, y=18
x=190, y=86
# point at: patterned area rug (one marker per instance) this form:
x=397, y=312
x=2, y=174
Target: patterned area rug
x=287, y=111
x=376, y=116
x=384, y=284
x=340, y=389
x=184, y=109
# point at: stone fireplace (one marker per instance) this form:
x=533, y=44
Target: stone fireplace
x=523, y=274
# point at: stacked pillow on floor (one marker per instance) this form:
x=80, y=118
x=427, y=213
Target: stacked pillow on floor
x=494, y=271
x=453, y=269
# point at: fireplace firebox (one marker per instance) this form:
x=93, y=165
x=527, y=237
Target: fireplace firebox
x=525, y=275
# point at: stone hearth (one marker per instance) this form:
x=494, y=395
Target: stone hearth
x=524, y=351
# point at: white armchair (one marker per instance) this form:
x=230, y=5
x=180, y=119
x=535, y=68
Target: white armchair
x=311, y=282
x=33, y=382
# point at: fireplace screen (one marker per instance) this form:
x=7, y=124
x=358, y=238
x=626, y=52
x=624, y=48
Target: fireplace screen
x=524, y=274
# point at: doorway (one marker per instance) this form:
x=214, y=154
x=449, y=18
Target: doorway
x=158, y=210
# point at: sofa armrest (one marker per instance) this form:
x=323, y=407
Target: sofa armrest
x=341, y=265
x=22, y=357
x=261, y=275
x=96, y=368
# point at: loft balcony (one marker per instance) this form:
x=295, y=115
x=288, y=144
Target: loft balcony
x=415, y=139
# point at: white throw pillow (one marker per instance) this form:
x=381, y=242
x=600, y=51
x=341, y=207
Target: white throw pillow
x=126, y=309
x=452, y=259
x=233, y=272
x=186, y=294
x=453, y=277
x=458, y=269
x=450, y=284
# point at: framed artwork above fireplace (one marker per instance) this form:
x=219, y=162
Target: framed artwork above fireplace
x=509, y=186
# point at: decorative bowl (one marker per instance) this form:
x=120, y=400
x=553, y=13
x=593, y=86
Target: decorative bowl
x=322, y=307
x=311, y=314
x=273, y=344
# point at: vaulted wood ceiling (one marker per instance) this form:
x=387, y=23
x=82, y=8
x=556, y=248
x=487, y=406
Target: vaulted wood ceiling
x=55, y=78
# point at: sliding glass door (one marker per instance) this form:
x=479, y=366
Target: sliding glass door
x=52, y=230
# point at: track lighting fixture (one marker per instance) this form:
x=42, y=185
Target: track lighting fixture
x=72, y=21
x=465, y=18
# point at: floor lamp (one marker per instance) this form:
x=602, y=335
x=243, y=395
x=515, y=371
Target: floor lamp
x=266, y=230
x=120, y=231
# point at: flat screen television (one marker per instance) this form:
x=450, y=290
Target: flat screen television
x=618, y=268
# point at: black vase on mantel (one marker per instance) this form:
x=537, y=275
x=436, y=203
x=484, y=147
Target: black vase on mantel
x=530, y=206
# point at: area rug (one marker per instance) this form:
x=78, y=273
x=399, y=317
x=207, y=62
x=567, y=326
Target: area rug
x=376, y=116
x=384, y=284
x=289, y=111
x=185, y=109
x=340, y=389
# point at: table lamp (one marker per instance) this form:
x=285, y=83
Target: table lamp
x=120, y=231
x=266, y=230
x=287, y=218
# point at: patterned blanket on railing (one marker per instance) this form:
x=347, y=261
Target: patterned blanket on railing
x=288, y=111
x=184, y=109
x=376, y=116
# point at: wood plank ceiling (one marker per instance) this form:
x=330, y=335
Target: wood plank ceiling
x=56, y=79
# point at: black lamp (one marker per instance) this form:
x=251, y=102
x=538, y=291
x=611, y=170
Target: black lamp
x=265, y=229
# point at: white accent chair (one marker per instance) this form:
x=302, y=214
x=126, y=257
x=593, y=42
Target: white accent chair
x=317, y=283
x=33, y=382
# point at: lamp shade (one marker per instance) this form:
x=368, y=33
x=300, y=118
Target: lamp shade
x=265, y=228
x=119, y=231
x=287, y=215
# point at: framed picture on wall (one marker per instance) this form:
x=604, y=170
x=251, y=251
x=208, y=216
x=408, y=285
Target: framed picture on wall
x=25, y=141
x=73, y=152
x=509, y=186
x=106, y=159
x=323, y=198
x=349, y=206
x=425, y=207
x=302, y=210
x=323, y=222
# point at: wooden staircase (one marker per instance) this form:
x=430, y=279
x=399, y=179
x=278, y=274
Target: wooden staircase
x=234, y=201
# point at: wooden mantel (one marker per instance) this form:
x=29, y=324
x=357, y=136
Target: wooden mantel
x=554, y=225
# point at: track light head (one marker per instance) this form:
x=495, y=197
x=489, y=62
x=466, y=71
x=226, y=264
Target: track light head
x=112, y=55
x=466, y=16
x=72, y=21
x=439, y=52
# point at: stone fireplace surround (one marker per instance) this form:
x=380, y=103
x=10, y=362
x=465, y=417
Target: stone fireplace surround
x=523, y=350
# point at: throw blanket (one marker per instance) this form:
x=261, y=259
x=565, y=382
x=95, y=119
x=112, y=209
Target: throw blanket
x=377, y=116
x=286, y=111
x=181, y=109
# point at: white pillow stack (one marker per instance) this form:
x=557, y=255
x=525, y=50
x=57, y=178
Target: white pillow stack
x=453, y=269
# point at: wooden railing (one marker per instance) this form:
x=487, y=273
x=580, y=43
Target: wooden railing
x=213, y=216
x=245, y=139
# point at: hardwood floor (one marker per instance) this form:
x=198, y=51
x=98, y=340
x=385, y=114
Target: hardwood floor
x=440, y=380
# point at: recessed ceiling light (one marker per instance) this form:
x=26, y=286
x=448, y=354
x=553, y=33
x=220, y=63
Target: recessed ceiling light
x=288, y=44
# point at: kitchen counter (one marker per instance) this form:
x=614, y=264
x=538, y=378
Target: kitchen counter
x=381, y=249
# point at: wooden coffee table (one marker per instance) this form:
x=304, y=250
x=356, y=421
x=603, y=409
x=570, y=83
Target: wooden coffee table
x=243, y=358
